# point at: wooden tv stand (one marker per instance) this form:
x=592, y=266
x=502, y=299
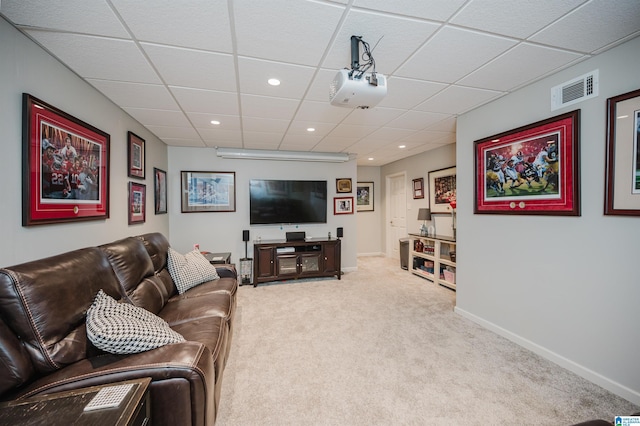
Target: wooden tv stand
x=276, y=260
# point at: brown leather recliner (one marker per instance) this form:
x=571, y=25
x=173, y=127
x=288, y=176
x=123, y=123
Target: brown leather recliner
x=44, y=346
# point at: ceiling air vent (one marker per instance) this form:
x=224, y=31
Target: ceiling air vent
x=574, y=91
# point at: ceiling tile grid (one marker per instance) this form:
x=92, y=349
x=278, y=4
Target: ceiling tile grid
x=176, y=66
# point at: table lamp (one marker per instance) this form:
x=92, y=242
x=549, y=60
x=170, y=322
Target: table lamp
x=424, y=215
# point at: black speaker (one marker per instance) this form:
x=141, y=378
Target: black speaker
x=245, y=235
x=339, y=232
x=296, y=236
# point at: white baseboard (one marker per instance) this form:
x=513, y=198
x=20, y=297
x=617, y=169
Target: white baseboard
x=612, y=386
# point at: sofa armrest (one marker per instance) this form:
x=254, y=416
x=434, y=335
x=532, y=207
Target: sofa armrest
x=175, y=370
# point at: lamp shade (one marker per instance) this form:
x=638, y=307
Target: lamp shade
x=424, y=214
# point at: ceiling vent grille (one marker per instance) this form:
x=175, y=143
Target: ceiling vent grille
x=574, y=91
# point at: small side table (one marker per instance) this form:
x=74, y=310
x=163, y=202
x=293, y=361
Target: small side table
x=218, y=258
x=67, y=408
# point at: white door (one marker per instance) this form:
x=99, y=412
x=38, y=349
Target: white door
x=396, y=213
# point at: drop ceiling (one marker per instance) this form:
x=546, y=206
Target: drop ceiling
x=175, y=66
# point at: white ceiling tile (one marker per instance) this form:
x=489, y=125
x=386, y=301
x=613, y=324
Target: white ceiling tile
x=453, y=53
x=351, y=131
x=221, y=137
x=322, y=112
x=80, y=16
x=376, y=116
x=416, y=120
x=158, y=117
x=299, y=142
x=319, y=89
x=299, y=127
x=174, y=132
x=389, y=134
x=268, y=107
x=516, y=20
x=446, y=125
x=200, y=24
x=98, y=57
x=457, y=99
x=523, y=64
x=254, y=73
x=596, y=24
x=136, y=95
x=334, y=144
x=203, y=121
x=427, y=9
x=206, y=101
x=193, y=68
x=407, y=93
x=254, y=124
x=386, y=36
x=260, y=32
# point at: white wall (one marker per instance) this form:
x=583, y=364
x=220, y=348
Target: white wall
x=565, y=287
x=222, y=231
x=25, y=67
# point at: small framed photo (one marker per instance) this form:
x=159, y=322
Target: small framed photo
x=65, y=167
x=160, y=190
x=364, y=196
x=343, y=185
x=531, y=170
x=343, y=205
x=418, y=188
x=137, y=202
x=622, y=177
x=136, y=155
x=208, y=191
x=442, y=184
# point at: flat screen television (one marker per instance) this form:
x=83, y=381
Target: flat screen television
x=287, y=201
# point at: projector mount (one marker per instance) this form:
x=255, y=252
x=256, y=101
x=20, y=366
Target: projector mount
x=357, y=69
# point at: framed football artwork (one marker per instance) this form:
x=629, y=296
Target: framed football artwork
x=65, y=167
x=531, y=170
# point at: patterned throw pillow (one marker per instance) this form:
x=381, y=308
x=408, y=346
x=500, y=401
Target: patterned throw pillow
x=190, y=270
x=121, y=328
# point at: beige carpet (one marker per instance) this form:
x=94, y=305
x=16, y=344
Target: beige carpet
x=384, y=347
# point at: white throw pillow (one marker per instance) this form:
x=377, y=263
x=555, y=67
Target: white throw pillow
x=121, y=328
x=189, y=270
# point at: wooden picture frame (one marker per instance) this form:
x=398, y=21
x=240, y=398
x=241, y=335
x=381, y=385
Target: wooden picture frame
x=364, y=197
x=343, y=185
x=65, y=166
x=135, y=156
x=531, y=170
x=442, y=189
x=418, y=188
x=208, y=191
x=342, y=205
x=159, y=191
x=137, y=203
x=622, y=165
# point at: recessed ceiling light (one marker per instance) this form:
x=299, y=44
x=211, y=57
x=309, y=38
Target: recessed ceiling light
x=370, y=158
x=311, y=129
x=215, y=122
x=402, y=146
x=274, y=82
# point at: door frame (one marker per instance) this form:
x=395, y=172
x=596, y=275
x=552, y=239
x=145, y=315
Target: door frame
x=388, y=243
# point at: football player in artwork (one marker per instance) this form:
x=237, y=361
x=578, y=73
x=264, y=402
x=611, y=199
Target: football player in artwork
x=55, y=176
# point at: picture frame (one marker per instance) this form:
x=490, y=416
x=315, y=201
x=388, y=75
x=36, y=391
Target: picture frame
x=342, y=205
x=418, y=188
x=208, y=191
x=159, y=190
x=364, y=197
x=622, y=177
x=442, y=189
x=531, y=170
x=65, y=166
x=135, y=156
x=343, y=185
x=137, y=203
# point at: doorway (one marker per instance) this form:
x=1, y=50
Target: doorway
x=396, y=210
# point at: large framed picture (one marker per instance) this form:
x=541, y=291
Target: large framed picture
x=208, y=191
x=442, y=189
x=65, y=167
x=364, y=196
x=622, y=187
x=343, y=205
x=135, y=155
x=531, y=170
x=137, y=203
x=160, y=190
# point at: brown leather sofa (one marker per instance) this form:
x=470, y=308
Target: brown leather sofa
x=43, y=341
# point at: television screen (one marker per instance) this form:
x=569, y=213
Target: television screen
x=287, y=201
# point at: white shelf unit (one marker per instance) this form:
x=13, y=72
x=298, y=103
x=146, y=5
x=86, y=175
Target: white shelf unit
x=431, y=258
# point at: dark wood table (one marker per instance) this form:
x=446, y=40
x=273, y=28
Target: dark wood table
x=66, y=408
